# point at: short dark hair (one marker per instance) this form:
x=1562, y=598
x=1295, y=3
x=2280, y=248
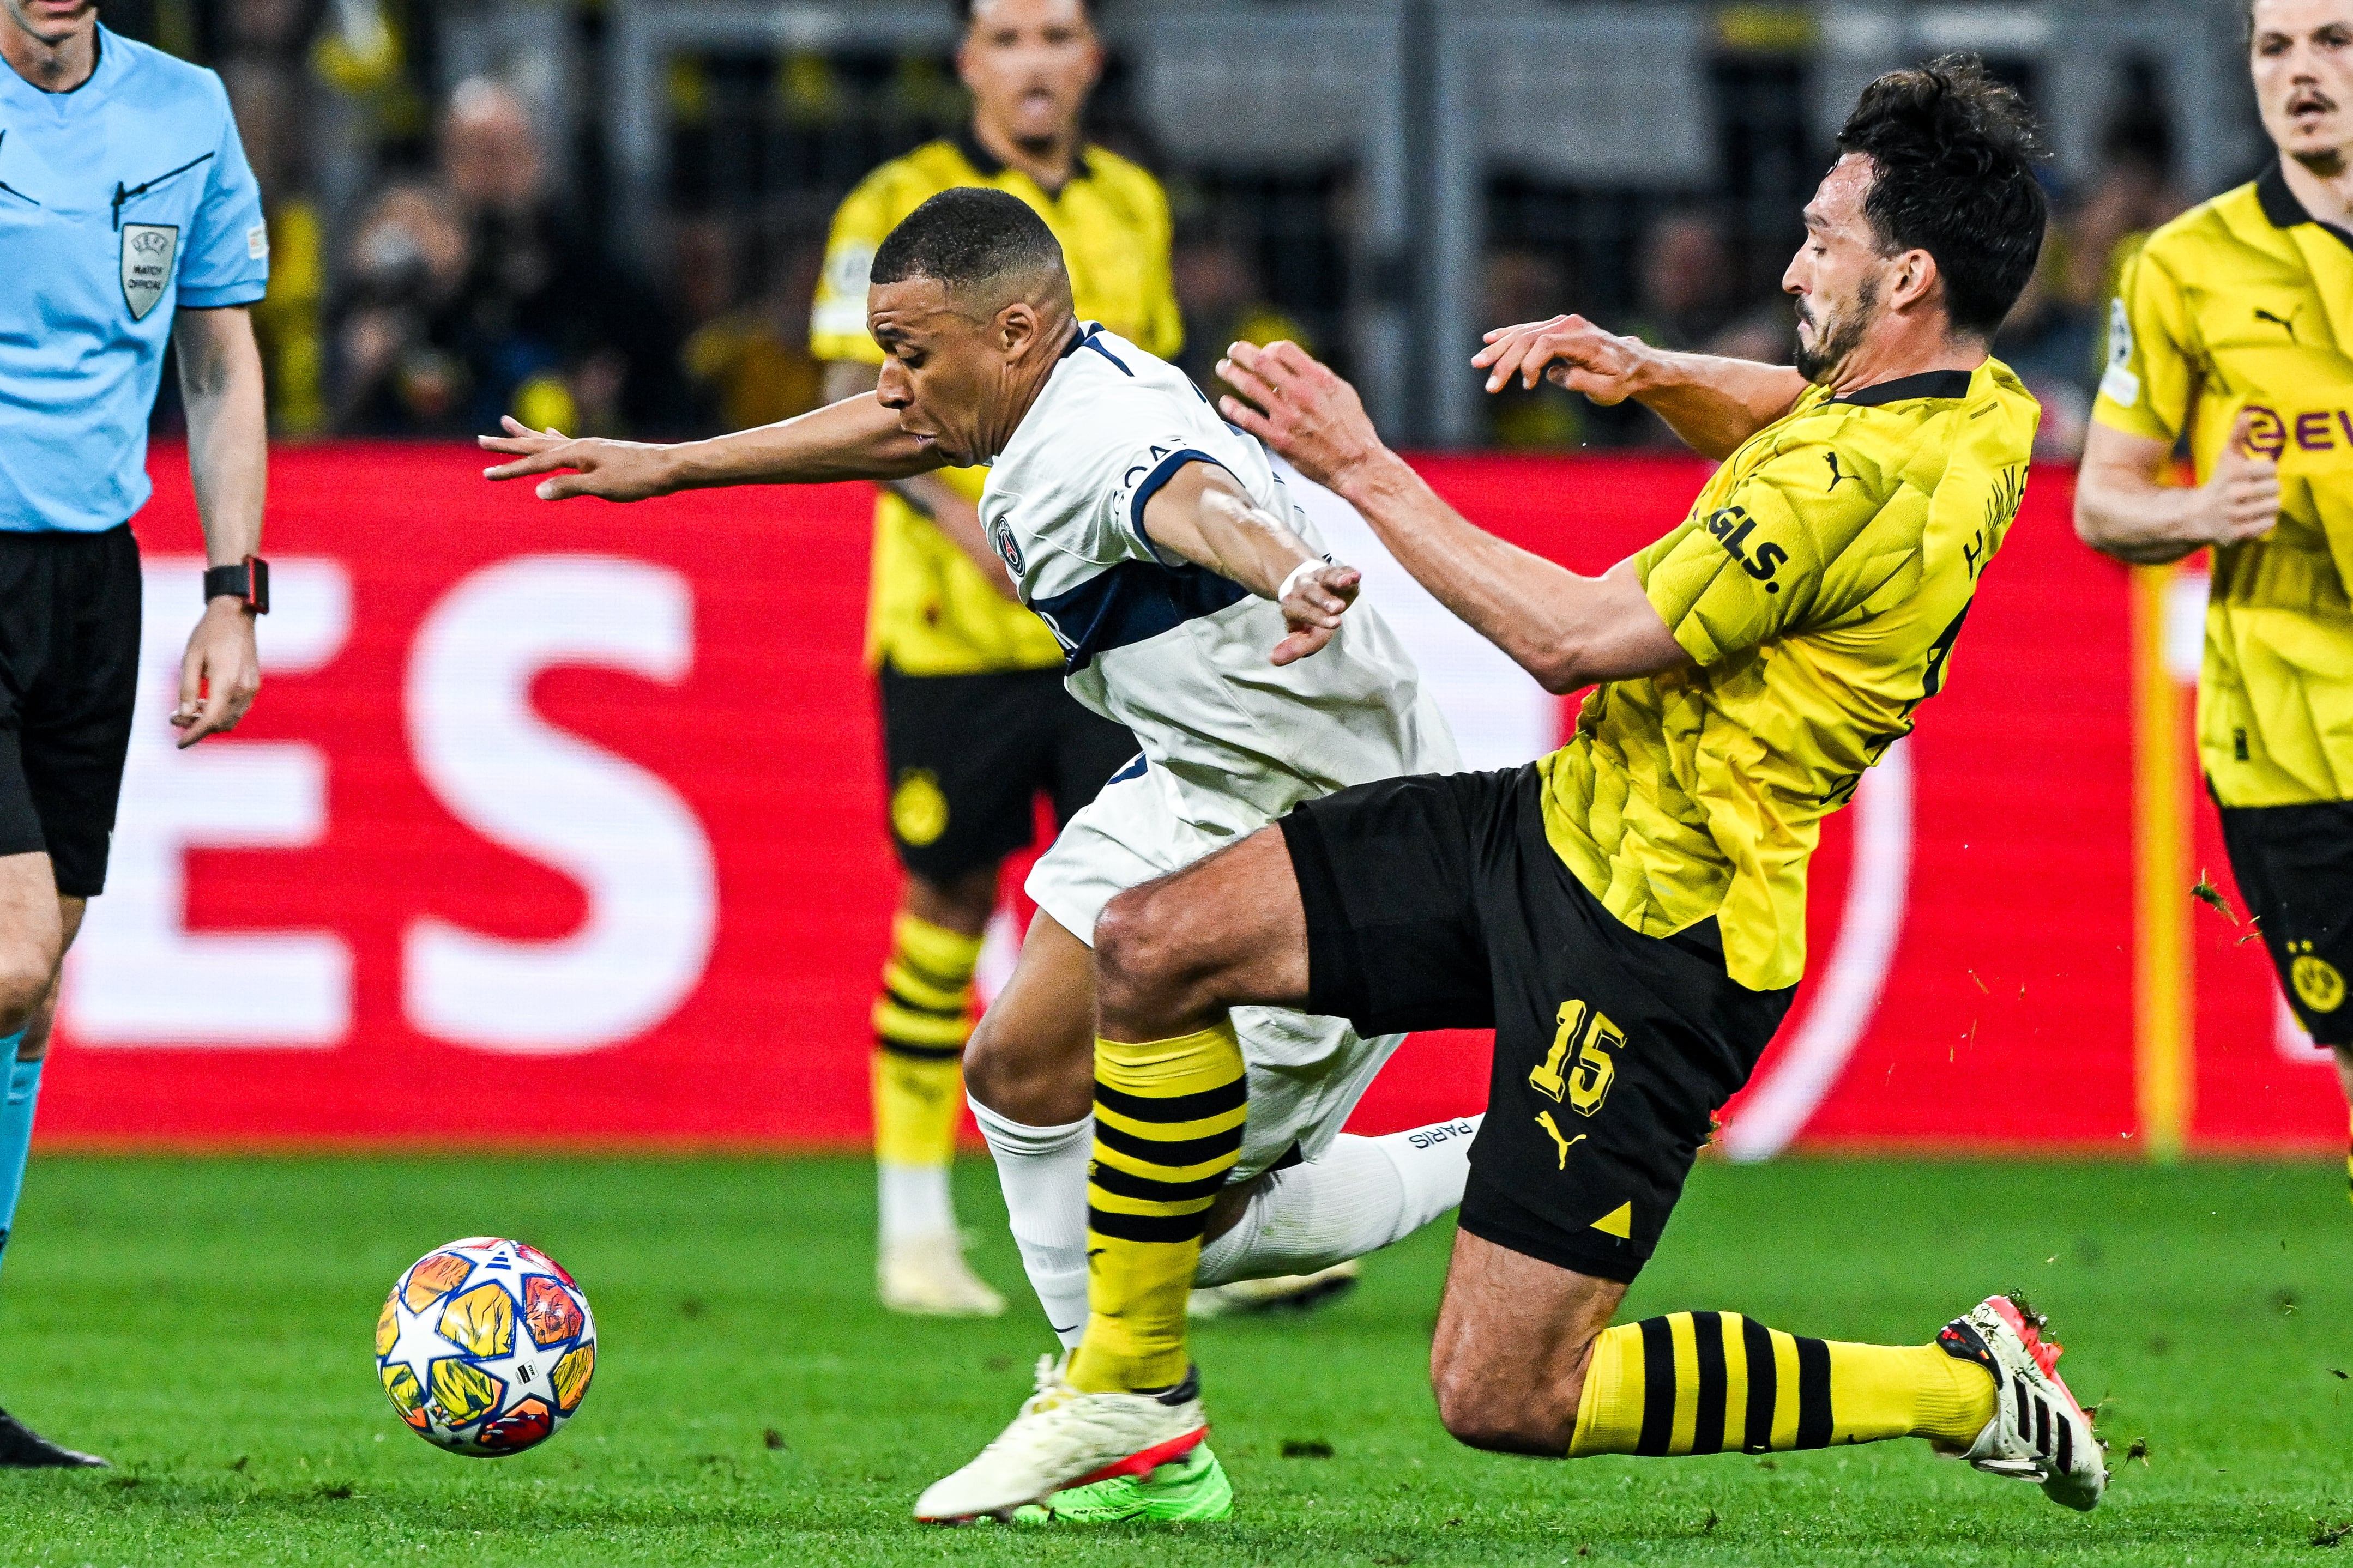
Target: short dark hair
x=969, y=11
x=965, y=236
x=1953, y=154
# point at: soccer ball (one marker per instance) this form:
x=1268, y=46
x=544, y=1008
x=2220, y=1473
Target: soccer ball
x=485, y=1346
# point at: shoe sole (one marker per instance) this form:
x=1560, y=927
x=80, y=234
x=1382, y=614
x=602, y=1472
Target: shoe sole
x=1143, y=1462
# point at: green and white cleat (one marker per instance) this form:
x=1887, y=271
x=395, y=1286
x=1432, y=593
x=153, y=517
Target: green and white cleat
x=1193, y=1489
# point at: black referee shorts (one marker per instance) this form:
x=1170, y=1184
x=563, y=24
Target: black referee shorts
x=2295, y=867
x=69, y=680
x=1436, y=902
x=967, y=756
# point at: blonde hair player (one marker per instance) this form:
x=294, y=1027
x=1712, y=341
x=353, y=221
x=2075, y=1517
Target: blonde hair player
x=2228, y=328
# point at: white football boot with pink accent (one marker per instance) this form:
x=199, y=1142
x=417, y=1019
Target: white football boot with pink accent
x=1065, y=1439
x=2040, y=1432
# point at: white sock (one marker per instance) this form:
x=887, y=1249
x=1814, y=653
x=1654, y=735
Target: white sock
x=1361, y=1195
x=914, y=1201
x=1042, y=1172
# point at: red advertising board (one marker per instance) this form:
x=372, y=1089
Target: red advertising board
x=562, y=826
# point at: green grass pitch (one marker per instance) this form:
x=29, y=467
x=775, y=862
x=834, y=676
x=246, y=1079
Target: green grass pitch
x=207, y=1323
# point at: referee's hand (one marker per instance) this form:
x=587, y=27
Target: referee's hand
x=610, y=470
x=219, y=674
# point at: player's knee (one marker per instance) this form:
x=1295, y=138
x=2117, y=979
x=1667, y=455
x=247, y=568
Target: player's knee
x=25, y=970
x=1024, y=1082
x=1483, y=1405
x=1138, y=954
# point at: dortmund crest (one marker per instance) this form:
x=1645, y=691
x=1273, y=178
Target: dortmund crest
x=148, y=251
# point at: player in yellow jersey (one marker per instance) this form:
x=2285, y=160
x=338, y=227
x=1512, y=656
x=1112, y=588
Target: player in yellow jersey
x=976, y=721
x=1628, y=913
x=2233, y=329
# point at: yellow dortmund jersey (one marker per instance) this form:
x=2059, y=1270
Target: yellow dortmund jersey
x=1818, y=584
x=2247, y=303
x=932, y=612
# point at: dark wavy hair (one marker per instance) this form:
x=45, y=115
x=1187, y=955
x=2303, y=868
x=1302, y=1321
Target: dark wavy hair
x=1953, y=154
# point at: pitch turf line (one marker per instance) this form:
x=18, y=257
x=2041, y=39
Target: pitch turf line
x=207, y=1323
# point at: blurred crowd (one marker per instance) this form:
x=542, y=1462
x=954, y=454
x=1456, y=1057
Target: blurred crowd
x=463, y=277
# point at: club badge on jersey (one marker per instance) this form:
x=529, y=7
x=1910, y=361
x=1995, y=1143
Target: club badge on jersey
x=148, y=251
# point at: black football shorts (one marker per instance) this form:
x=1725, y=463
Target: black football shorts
x=966, y=757
x=1436, y=902
x=69, y=680
x=2295, y=867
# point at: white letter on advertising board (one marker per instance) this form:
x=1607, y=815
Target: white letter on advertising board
x=138, y=976
x=634, y=846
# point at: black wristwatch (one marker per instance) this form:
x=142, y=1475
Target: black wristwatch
x=248, y=580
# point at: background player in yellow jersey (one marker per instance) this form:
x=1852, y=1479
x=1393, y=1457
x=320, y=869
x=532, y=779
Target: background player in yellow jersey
x=976, y=721
x=1628, y=913
x=2233, y=328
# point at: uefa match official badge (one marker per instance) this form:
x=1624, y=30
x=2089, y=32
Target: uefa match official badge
x=148, y=250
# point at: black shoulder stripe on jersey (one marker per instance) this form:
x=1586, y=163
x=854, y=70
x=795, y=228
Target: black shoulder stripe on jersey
x=1132, y=602
x=1162, y=472
x=1927, y=383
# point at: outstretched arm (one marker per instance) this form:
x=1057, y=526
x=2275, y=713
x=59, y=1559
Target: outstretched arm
x=1711, y=403
x=857, y=439
x=1567, y=630
x=1204, y=515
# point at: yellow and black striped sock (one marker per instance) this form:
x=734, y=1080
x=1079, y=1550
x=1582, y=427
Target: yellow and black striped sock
x=1712, y=1383
x=922, y=1020
x=1168, y=1127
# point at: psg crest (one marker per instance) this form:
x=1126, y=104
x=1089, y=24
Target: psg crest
x=148, y=250
x=1007, y=550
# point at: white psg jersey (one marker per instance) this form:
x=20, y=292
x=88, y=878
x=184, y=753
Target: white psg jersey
x=1172, y=650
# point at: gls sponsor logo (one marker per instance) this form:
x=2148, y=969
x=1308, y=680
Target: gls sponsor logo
x=1733, y=526
x=2270, y=432
x=1444, y=1133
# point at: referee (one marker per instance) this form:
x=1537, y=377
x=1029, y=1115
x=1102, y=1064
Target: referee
x=976, y=724
x=128, y=217
x=2229, y=329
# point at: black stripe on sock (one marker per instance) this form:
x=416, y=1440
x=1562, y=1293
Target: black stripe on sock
x=1707, y=1339
x=1198, y=1107
x=914, y=1052
x=899, y=998
x=1658, y=1386
x=931, y=977
x=1813, y=1393
x=1764, y=1383
x=1151, y=1189
x=1175, y=1152
x=1160, y=1227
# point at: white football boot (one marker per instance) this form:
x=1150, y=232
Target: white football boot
x=1065, y=1439
x=2039, y=1432
x=1283, y=1293
x=926, y=1277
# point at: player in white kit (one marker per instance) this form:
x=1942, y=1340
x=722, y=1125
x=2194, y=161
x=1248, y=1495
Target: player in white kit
x=1189, y=594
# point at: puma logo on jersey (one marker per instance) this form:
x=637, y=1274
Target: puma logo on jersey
x=1544, y=1121
x=1733, y=526
x=2286, y=323
x=1836, y=477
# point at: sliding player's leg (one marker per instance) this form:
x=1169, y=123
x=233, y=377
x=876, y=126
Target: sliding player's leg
x=1525, y=1362
x=36, y=925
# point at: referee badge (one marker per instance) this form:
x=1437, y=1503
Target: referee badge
x=148, y=250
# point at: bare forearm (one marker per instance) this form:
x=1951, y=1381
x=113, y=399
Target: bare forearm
x=856, y=438
x=2141, y=522
x=228, y=433
x=1542, y=615
x=1713, y=403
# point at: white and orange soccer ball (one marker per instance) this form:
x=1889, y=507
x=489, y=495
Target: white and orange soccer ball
x=486, y=1346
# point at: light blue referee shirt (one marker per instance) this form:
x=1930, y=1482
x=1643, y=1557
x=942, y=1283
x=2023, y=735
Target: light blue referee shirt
x=119, y=202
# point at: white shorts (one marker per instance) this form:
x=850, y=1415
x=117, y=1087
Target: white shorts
x=1306, y=1073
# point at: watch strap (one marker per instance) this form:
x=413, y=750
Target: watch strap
x=247, y=580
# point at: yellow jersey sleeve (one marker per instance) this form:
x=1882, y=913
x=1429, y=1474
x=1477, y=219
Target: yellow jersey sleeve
x=837, y=316
x=2152, y=378
x=1757, y=560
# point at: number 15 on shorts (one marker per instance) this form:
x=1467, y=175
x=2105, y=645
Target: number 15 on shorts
x=1578, y=1068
